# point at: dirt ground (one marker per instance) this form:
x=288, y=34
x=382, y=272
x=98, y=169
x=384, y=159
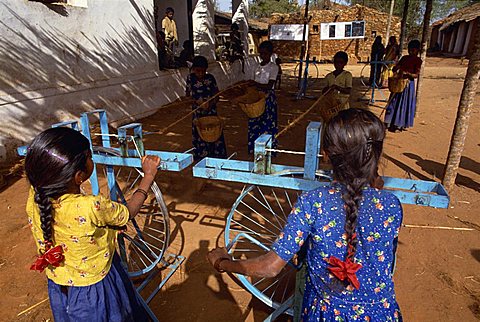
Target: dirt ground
x=438, y=271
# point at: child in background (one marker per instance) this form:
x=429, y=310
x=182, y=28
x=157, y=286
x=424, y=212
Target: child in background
x=186, y=55
x=278, y=83
x=340, y=81
x=201, y=86
x=169, y=27
x=236, y=45
x=264, y=80
x=400, y=111
x=349, y=228
x=76, y=234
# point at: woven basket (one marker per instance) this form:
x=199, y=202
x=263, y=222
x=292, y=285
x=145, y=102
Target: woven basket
x=397, y=84
x=209, y=128
x=330, y=105
x=327, y=113
x=252, y=103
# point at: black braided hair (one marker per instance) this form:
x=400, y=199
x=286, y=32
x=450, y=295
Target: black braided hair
x=53, y=158
x=353, y=142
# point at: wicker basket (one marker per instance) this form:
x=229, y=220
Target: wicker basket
x=330, y=105
x=252, y=103
x=397, y=84
x=327, y=113
x=209, y=128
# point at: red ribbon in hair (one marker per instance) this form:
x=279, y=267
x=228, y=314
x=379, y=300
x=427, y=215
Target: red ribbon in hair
x=52, y=256
x=345, y=270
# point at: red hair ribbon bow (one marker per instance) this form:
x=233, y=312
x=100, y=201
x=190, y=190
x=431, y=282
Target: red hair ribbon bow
x=52, y=256
x=345, y=270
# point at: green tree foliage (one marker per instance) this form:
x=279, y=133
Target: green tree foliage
x=441, y=9
x=264, y=8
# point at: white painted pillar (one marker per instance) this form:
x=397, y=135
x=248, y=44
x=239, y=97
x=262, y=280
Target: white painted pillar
x=439, y=38
x=468, y=38
x=204, y=28
x=453, y=38
x=240, y=16
x=459, y=41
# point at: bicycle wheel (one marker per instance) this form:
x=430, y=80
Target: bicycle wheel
x=142, y=243
x=315, y=72
x=365, y=78
x=295, y=70
x=261, y=213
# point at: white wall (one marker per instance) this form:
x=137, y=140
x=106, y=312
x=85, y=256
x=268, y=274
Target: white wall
x=55, y=65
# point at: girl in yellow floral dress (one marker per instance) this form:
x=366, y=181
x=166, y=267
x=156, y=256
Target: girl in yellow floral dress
x=76, y=235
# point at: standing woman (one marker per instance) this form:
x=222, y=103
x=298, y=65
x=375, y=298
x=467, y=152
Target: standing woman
x=400, y=110
x=378, y=50
x=264, y=80
x=201, y=86
x=392, y=53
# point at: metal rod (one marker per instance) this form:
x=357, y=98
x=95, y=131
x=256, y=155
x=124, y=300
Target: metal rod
x=290, y=152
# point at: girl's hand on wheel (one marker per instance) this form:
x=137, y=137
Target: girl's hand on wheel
x=150, y=164
x=216, y=254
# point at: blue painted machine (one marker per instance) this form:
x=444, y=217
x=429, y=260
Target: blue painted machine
x=260, y=212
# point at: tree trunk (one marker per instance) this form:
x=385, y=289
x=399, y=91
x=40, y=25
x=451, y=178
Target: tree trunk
x=463, y=115
x=423, y=55
x=403, y=28
x=392, y=4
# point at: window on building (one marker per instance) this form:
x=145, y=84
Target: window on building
x=315, y=28
x=331, y=31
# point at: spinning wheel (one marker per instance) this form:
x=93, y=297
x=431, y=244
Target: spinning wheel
x=142, y=243
x=261, y=213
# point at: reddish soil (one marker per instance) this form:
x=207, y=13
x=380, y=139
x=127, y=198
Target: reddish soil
x=438, y=271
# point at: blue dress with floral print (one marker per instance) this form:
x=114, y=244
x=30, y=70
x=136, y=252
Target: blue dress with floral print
x=318, y=220
x=265, y=123
x=205, y=88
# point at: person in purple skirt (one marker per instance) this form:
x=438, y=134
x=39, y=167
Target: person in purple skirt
x=400, y=111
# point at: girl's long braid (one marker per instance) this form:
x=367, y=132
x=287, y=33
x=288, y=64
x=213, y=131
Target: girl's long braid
x=352, y=198
x=53, y=158
x=353, y=141
x=46, y=214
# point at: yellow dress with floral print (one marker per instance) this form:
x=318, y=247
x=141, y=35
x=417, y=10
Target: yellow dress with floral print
x=86, y=227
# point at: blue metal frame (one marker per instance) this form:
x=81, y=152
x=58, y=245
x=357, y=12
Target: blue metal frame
x=374, y=86
x=263, y=172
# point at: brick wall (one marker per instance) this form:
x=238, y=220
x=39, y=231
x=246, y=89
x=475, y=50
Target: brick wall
x=357, y=49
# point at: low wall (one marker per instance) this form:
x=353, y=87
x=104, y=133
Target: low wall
x=125, y=99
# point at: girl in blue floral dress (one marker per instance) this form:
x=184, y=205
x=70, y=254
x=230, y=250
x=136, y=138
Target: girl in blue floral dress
x=350, y=230
x=264, y=80
x=201, y=86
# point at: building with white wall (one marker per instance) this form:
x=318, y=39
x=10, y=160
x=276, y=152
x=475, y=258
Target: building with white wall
x=58, y=61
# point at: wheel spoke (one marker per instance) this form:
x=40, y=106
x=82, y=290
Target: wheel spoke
x=145, y=241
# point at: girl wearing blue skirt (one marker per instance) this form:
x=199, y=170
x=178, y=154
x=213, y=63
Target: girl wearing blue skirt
x=400, y=110
x=264, y=80
x=76, y=234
